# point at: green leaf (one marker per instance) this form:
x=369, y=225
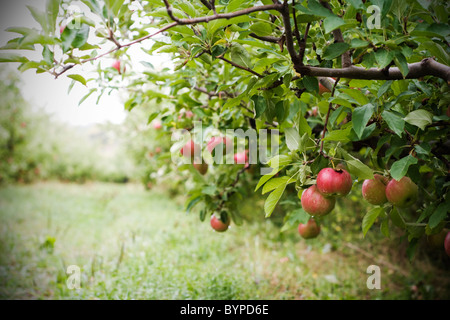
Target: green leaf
x=303, y=126
x=295, y=217
x=267, y=177
x=11, y=57
x=341, y=135
x=74, y=37
x=384, y=57
x=360, y=118
x=358, y=43
x=357, y=95
x=335, y=50
x=260, y=105
x=332, y=23
x=87, y=96
x=273, y=199
x=240, y=56
x=401, y=63
x=292, y=138
x=384, y=228
x=437, y=51
x=370, y=218
x=394, y=122
x=275, y=183
x=359, y=169
x=152, y=117
x=78, y=78
x=420, y=118
x=192, y=203
x=52, y=9
x=400, y=168
x=385, y=87
x=261, y=29
x=40, y=17
x=280, y=161
x=440, y=214
x=234, y=5
x=311, y=84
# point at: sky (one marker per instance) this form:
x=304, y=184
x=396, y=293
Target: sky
x=44, y=91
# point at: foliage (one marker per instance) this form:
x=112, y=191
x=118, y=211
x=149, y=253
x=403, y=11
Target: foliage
x=260, y=65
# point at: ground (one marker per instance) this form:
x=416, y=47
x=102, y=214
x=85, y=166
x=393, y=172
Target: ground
x=135, y=244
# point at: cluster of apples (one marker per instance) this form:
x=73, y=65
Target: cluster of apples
x=320, y=199
x=379, y=190
x=215, y=144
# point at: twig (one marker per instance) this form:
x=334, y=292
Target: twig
x=240, y=67
x=330, y=106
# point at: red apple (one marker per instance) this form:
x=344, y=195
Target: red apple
x=189, y=149
x=215, y=141
x=447, y=244
x=402, y=193
x=332, y=182
x=309, y=230
x=323, y=89
x=374, y=190
x=219, y=225
x=61, y=28
x=315, y=203
x=241, y=158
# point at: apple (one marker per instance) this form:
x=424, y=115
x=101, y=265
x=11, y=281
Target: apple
x=157, y=150
x=241, y=158
x=201, y=167
x=187, y=114
x=309, y=230
x=61, y=28
x=374, y=190
x=332, y=182
x=447, y=243
x=219, y=225
x=215, y=141
x=189, y=148
x=117, y=65
x=323, y=89
x=157, y=125
x=315, y=203
x=437, y=240
x=402, y=193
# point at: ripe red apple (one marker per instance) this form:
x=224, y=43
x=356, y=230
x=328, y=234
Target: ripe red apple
x=374, y=190
x=447, y=243
x=334, y=182
x=402, y=193
x=219, y=225
x=309, y=230
x=315, y=203
x=201, y=167
x=117, y=65
x=189, y=149
x=241, y=157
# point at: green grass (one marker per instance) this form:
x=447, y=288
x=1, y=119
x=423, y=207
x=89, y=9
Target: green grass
x=135, y=244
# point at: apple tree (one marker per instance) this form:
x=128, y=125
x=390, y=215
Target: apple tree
x=358, y=87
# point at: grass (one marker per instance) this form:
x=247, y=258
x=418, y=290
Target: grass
x=133, y=244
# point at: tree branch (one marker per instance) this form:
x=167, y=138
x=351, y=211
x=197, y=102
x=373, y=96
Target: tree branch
x=426, y=67
x=265, y=38
x=240, y=67
x=288, y=32
x=230, y=15
x=330, y=106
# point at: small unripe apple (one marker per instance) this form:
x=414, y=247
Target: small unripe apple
x=402, y=193
x=189, y=148
x=117, y=65
x=309, y=230
x=447, y=243
x=202, y=168
x=374, y=190
x=157, y=125
x=219, y=225
x=437, y=240
x=315, y=203
x=334, y=182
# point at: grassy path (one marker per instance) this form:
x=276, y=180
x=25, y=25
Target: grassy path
x=133, y=244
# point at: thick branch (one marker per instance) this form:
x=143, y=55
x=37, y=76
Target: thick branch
x=288, y=32
x=230, y=15
x=426, y=67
